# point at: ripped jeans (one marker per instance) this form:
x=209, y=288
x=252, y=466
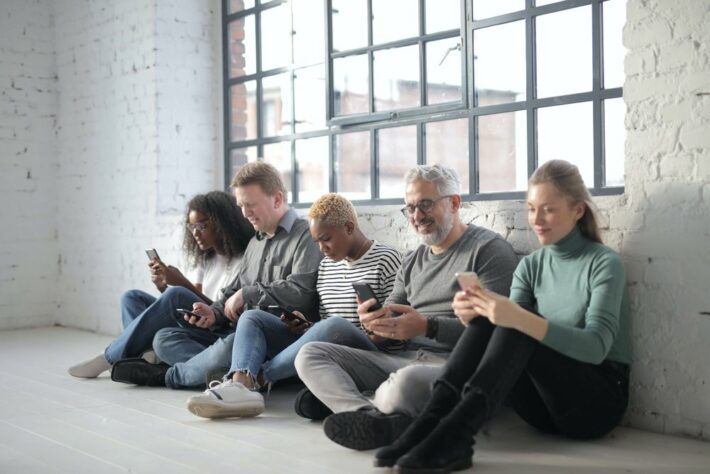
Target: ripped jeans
x=265, y=343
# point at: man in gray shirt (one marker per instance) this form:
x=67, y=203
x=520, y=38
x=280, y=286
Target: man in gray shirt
x=418, y=311
x=279, y=268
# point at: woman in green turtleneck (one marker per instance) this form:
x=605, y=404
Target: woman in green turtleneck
x=557, y=350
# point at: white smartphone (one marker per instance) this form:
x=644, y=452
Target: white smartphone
x=467, y=279
x=152, y=254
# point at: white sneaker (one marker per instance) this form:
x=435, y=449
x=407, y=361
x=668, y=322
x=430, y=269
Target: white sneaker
x=226, y=399
x=90, y=369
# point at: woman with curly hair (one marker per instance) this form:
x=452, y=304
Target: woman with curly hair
x=216, y=234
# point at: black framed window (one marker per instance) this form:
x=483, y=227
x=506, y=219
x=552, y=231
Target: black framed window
x=346, y=95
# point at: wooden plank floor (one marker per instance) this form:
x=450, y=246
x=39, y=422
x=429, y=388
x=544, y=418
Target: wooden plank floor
x=51, y=422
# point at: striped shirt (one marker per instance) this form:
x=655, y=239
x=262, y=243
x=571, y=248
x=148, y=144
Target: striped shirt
x=377, y=267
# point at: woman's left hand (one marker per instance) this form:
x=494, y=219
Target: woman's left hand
x=498, y=309
x=297, y=327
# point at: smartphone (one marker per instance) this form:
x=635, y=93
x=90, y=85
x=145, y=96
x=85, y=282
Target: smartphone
x=364, y=292
x=467, y=279
x=187, y=311
x=287, y=314
x=152, y=254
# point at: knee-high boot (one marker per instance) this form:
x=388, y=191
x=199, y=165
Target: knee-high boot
x=449, y=446
x=443, y=398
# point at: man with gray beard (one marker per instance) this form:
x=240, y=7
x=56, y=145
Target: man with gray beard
x=374, y=394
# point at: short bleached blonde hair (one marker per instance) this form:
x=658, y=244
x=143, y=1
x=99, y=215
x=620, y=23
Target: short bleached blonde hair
x=333, y=210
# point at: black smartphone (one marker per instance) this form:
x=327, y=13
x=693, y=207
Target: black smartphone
x=287, y=314
x=364, y=292
x=152, y=254
x=187, y=311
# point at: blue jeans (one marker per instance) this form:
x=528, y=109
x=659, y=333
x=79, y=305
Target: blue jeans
x=192, y=352
x=261, y=335
x=137, y=335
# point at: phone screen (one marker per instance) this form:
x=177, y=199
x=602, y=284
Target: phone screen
x=467, y=279
x=152, y=254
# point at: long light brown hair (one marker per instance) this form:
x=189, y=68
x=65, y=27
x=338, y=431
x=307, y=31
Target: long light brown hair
x=565, y=177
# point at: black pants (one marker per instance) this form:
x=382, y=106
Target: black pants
x=550, y=391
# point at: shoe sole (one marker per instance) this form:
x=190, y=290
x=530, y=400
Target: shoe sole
x=359, y=431
x=458, y=465
x=217, y=409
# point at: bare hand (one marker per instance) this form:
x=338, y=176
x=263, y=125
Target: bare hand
x=171, y=275
x=498, y=309
x=157, y=278
x=208, y=317
x=463, y=307
x=297, y=326
x=410, y=323
x=366, y=316
x=234, y=306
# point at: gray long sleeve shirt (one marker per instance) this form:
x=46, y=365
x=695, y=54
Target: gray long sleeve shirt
x=427, y=281
x=281, y=270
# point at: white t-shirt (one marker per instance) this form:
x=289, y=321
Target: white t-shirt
x=216, y=273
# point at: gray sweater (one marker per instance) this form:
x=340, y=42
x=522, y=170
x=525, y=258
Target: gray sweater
x=427, y=282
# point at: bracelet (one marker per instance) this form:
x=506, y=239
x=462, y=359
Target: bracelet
x=432, y=327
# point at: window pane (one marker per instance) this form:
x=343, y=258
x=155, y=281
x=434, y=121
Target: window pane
x=308, y=32
x=312, y=157
x=352, y=165
x=447, y=144
x=397, y=153
x=310, y=98
x=239, y=157
x=242, y=47
x=502, y=152
x=443, y=65
x=614, y=51
x=394, y=19
x=565, y=133
x=614, y=138
x=239, y=5
x=349, y=21
x=279, y=155
x=396, y=78
x=275, y=38
x=350, y=88
x=277, y=105
x=564, y=52
x=488, y=8
x=243, y=111
x=442, y=15
x=499, y=63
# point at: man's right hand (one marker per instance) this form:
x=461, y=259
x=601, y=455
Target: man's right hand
x=366, y=316
x=208, y=317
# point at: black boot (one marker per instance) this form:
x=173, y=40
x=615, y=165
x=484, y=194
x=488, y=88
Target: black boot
x=367, y=428
x=139, y=372
x=443, y=398
x=449, y=447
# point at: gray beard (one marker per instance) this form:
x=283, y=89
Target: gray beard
x=441, y=232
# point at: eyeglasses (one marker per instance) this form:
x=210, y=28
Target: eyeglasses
x=200, y=225
x=425, y=206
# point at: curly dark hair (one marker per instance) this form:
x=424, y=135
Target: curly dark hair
x=232, y=229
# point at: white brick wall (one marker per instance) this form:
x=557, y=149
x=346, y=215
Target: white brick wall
x=139, y=130
x=28, y=110
x=138, y=109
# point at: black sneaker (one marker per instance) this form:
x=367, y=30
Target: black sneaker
x=309, y=406
x=367, y=428
x=137, y=371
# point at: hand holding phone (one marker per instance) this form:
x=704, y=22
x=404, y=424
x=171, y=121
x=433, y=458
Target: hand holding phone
x=468, y=279
x=364, y=293
x=288, y=315
x=188, y=312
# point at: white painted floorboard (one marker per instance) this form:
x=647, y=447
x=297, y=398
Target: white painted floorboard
x=51, y=422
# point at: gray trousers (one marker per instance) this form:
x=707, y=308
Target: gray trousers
x=347, y=379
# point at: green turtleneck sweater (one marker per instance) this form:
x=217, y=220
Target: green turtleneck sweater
x=579, y=287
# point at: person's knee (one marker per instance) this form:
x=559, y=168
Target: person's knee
x=162, y=340
x=131, y=296
x=179, y=292
x=253, y=317
x=307, y=356
x=333, y=329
